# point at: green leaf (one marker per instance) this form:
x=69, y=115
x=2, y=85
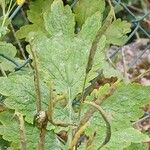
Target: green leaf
x=85, y=9
x=5, y=119
x=59, y=20
x=123, y=138
x=135, y=146
x=25, y=30
x=69, y=55
x=62, y=59
x=35, y=16
x=126, y=101
x=116, y=33
x=10, y=51
x=63, y=56
x=20, y=94
x=9, y=129
x=35, y=13
x=122, y=108
x=90, y=27
x=3, y=31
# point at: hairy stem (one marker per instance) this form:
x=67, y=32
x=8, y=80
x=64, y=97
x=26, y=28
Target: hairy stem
x=89, y=113
x=95, y=42
x=41, y=145
x=51, y=110
x=36, y=81
x=18, y=42
x=23, y=144
x=77, y=137
x=108, y=126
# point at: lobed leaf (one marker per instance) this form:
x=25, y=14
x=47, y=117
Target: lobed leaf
x=9, y=129
x=35, y=16
x=63, y=56
x=59, y=20
x=85, y=9
x=122, y=108
x=20, y=94
x=116, y=32
x=10, y=51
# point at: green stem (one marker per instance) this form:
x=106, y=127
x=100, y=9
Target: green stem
x=9, y=7
x=70, y=116
x=106, y=119
x=36, y=80
x=84, y=83
x=8, y=12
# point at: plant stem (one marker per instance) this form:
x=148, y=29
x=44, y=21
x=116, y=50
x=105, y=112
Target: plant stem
x=36, y=80
x=50, y=111
x=18, y=42
x=106, y=119
x=5, y=15
x=70, y=116
x=23, y=144
x=84, y=83
x=95, y=42
x=141, y=75
x=9, y=7
x=41, y=145
x=89, y=113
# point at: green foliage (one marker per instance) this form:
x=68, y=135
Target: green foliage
x=8, y=50
x=62, y=56
x=59, y=20
x=3, y=31
x=35, y=16
x=117, y=31
x=122, y=107
x=10, y=132
x=19, y=97
x=85, y=9
x=134, y=146
x=123, y=138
